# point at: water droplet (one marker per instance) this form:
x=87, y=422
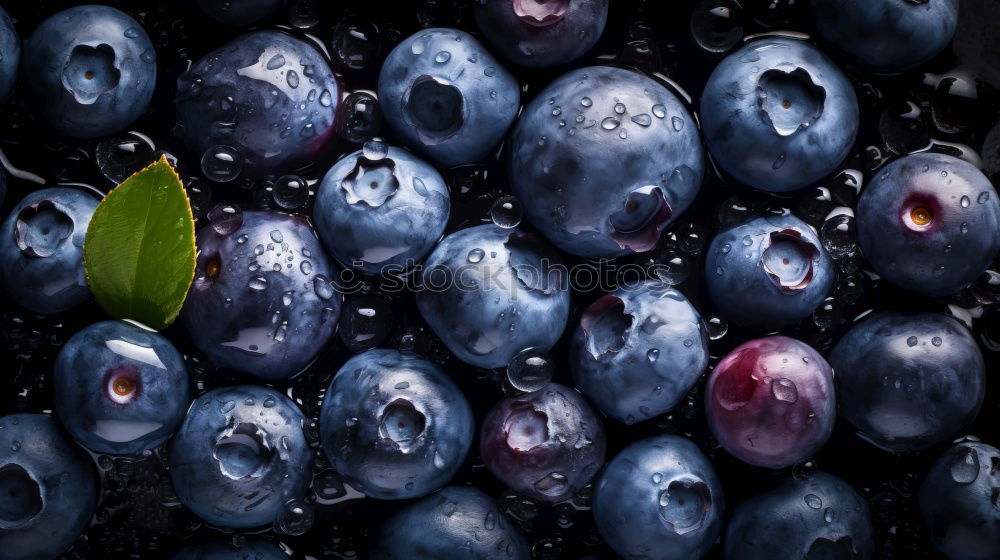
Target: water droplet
x=936, y=341
x=965, y=202
x=553, y=484
x=442, y=57
x=322, y=287
x=132, y=32
x=290, y=192
x=642, y=120
x=828, y=515
x=276, y=61
x=225, y=218
x=813, y=501
x=476, y=255
x=586, y=102
x=964, y=228
x=779, y=163
x=983, y=198
x=293, y=79
x=964, y=466
x=375, y=149
x=784, y=390
x=620, y=108
x=659, y=111
x=276, y=236
x=657, y=478
x=269, y=402
x=15, y=446
x=530, y=370
x=677, y=123
x=507, y=212
x=911, y=341
x=257, y=283
x=490, y=71
x=610, y=123
x=653, y=354
x=221, y=164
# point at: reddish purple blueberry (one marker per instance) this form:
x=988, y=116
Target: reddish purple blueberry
x=770, y=402
x=547, y=444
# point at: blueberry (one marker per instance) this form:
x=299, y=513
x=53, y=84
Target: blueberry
x=605, y=159
x=929, y=223
x=120, y=387
x=546, y=445
x=457, y=523
x=89, y=70
x=540, y=34
x=490, y=292
x=238, y=13
x=41, y=250
x=659, y=499
x=240, y=455
x=10, y=56
x=770, y=402
x=886, y=35
x=907, y=382
x=268, y=95
x=262, y=302
x=958, y=502
x=48, y=488
x=768, y=272
x=223, y=549
x=446, y=96
x=394, y=425
x=817, y=518
x=778, y=115
x=381, y=209
x=638, y=351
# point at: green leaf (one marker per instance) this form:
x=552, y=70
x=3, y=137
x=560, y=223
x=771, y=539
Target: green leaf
x=140, y=251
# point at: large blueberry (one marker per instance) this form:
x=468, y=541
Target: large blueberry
x=48, y=488
x=238, y=13
x=638, y=351
x=821, y=517
x=907, y=382
x=929, y=223
x=41, y=250
x=886, y=35
x=540, y=34
x=770, y=402
x=240, y=455
x=381, y=209
x=394, y=425
x=270, y=96
x=605, y=159
x=778, y=115
x=958, y=502
x=263, y=300
x=120, y=388
x=768, y=272
x=490, y=292
x=10, y=55
x=89, y=70
x=457, y=523
x=659, y=499
x=547, y=444
x=446, y=96
x=224, y=549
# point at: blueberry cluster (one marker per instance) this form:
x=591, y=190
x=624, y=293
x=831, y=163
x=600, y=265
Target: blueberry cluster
x=509, y=279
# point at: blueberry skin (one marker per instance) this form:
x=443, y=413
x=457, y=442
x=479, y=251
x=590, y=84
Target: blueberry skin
x=10, y=56
x=945, y=248
x=394, y=425
x=770, y=402
x=956, y=501
x=240, y=455
x=90, y=70
x=605, y=158
x=457, y=523
x=546, y=445
x=269, y=95
x=750, y=282
x=638, y=351
x=262, y=302
x=886, y=35
x=667, y=470
x=541, y=34
x=907, y=382
x=48, y=488
x=223, y=549
x=41, y=251
x=387, y=228
x=446, y=96
x=490, y=292
x=820, y=517
x=778, y=115
x=238, y=13
x=120, y=388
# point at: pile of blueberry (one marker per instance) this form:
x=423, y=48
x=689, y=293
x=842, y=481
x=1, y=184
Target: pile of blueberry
x=509, y=279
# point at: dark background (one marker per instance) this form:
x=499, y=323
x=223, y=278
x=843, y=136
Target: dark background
x=139, y=515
